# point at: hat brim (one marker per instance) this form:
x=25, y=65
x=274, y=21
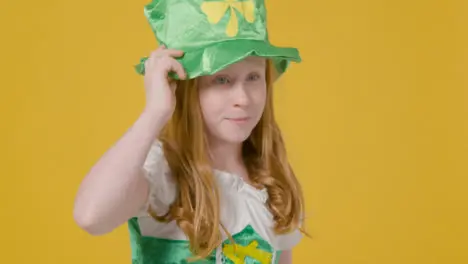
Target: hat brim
x=217, y=56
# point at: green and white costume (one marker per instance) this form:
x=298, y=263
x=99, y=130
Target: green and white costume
x=243, y=212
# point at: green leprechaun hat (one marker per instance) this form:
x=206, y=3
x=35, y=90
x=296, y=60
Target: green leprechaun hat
x=214, y=34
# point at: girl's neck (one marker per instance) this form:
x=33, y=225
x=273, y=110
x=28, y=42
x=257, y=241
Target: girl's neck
x=227, y=157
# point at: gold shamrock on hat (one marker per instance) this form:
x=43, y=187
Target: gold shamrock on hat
x=215, y=10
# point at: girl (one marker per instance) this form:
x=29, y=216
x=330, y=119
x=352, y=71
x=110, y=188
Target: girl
x=202, y=175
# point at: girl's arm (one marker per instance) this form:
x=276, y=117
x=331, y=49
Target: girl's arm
x=114, y=190
x=285, y=257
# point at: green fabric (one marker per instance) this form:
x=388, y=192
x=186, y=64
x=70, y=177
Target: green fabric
x=135, y=239
x=152, y=250
x=214, y=34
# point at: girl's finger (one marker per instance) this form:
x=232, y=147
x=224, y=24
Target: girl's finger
x=173, y=52
x=178, y=69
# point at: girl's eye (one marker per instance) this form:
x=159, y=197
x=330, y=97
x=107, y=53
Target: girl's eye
x=221, y=80
x=253, y=77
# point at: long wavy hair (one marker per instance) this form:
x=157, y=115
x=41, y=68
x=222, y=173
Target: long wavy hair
x=196, y=209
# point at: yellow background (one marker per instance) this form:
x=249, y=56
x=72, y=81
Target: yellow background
x=375, y=119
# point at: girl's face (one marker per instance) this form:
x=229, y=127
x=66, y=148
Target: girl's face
x=232, y=100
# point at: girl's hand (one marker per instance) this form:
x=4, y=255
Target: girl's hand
x=160, y=89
